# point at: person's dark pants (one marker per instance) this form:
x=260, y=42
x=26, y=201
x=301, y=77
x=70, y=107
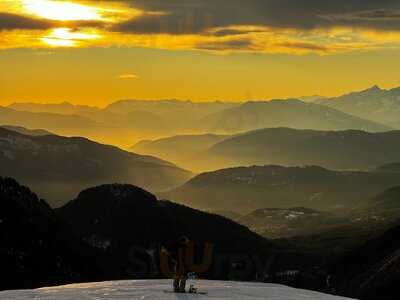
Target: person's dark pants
x=179, y=282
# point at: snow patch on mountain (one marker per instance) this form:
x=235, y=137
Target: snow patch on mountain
x=154, y=289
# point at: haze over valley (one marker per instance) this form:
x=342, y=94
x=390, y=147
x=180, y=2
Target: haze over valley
x=124, y=123
x=301, y=180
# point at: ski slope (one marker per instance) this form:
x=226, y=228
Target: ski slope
x=154, y=289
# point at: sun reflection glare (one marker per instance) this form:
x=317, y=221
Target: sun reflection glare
x=66, y=37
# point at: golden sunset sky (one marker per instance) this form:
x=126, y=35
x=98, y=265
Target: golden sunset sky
x=96, y=52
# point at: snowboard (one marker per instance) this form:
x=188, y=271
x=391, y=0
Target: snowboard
x=186, y=293
x=192, y=289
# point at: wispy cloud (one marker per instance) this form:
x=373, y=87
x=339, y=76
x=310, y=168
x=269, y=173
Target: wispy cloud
x=128, y=76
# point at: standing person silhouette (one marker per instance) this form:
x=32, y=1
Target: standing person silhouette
x=176, y=251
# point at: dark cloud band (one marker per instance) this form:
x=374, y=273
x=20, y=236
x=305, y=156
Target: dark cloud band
x=194, y=16
x=12, y=21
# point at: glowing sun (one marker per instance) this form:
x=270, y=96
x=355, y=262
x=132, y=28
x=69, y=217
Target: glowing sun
x=61, y=10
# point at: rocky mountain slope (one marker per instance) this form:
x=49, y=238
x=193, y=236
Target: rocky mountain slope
x=58, y=167
x=26, y=131
x=119, y=217
x=350, y=149
x=285, y=113
x=297, y=221
x=48, y=121
x=375, y=104
x=371, y=271
x=36, y=249
x=246, y=189
x=183, y=150
x=109, y=232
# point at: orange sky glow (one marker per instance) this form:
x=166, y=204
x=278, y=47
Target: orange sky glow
x=94, y=52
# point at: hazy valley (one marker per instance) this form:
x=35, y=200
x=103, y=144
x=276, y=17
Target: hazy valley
x=125, y=122
x=58, y=167
x=298, y=187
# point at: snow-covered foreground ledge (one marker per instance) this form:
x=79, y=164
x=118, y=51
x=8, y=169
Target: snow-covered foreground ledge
x=154, y=289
